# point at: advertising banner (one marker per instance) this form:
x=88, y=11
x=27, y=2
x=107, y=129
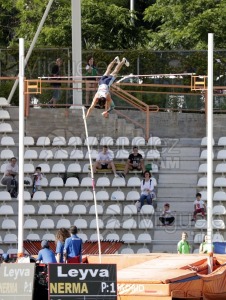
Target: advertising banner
x=82, y=281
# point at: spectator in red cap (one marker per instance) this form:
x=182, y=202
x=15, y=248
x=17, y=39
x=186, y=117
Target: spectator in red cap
x=166, y=217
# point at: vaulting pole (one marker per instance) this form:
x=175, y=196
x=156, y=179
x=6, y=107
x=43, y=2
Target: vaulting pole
x=210, y=150
x=21, y=150
x=93, y=184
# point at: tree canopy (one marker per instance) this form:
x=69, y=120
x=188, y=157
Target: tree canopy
x=106, y=24
x=185, y=24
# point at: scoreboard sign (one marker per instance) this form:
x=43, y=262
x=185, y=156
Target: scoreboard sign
x=16, y=281
x=82, y=281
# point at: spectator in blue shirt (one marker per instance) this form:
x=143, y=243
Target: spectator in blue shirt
x=73, y=247
x=45, y=255
x=61, y=236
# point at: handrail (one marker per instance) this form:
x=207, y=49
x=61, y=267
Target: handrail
x=135, y=102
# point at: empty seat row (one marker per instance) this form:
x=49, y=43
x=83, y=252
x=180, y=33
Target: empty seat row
x=221, y=154
x=220, y=168
x=218, y=182
x=78, y=209
x=142, y=238
x=61, y=154
x=74, y=141
x=72, y=195
x=221, y=141
x=47, y=223
x=217, y=224
x=91, y=141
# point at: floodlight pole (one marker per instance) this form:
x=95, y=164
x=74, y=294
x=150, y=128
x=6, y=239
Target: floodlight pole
x=76, y=51
x=131, y=10
x=210, y=150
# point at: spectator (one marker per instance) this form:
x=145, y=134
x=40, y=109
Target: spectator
x=37, y=180
x=56, y=85
x=61, y=235
x=147, y=189
x=104, y=160
x=183, y=246
x=199, y=207
x=9, y=177
x=5, y=258
x=91, y=70
x=204, y=246
x=166, y=217
x=45, y=255
x=73, y=247
x=135, y=162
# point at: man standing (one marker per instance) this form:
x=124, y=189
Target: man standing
x=135, y=162
x=73, y=247
x=56, y=85
x=10, y=173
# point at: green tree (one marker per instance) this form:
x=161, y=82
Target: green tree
x=185, y=24
x=104, y=24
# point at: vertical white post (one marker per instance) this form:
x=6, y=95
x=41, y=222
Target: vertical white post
x=21, y=149
x=210, y=147
x=93, y=183
x=131, y=10
x=76, y=51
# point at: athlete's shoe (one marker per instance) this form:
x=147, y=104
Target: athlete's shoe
x=125, y=61
x=117, y=60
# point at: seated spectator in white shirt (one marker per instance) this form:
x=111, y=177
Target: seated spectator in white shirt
x=104, y=160
x=10, y=173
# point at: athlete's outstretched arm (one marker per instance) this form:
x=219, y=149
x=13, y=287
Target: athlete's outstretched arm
x=95, y=99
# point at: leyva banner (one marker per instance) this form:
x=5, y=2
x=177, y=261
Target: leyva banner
x=17, y=281
x=82, y=281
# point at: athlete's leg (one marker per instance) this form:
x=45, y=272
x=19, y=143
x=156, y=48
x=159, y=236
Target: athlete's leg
x=119, y=66
x=110, y=66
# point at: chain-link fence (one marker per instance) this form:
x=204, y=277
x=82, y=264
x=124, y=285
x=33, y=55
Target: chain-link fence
x=142, y=63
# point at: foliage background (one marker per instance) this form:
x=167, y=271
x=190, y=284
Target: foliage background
x=164, y=36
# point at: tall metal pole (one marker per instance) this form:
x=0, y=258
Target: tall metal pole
x=76, y=51
x=21, y=149
x=131, y=10
x=210, y=147
x=93, y=183
x=31, y=47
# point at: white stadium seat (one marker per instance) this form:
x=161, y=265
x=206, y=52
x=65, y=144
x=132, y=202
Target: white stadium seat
x=75, y=141
x=7, y=141
x=59, y=141
x=113, y=224
x=113, y=209
x=122, y=141
x=222, y=141
x=154, y=141
x=43, y=141
x=138, y=141
x=106, y=140
x=91, y=141
x=129, y=224
x=29, y=141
